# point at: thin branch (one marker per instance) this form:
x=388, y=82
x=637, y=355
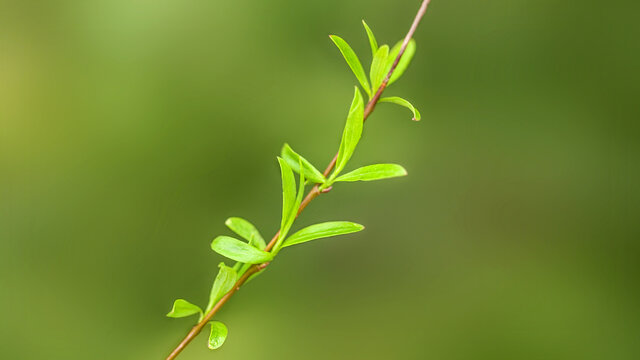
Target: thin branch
x=313, y=193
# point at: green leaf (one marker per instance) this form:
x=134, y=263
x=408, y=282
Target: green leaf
x=248, y=232
x=218, y=335
x=402, y=102
x=353, y=62
x=374, y=172
x=292, y=217
x=288, y=192
x=404, y=62
x=183, y=308
x=293, y=160
x=372, y=39
x=352, y=132
x=225, y=280
x=379, y=67
x=243, y=268
x=323, y=230
x=239, y=250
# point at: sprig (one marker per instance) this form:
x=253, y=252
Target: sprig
x=253, y=255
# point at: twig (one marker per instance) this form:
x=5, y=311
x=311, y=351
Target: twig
x=313, y=193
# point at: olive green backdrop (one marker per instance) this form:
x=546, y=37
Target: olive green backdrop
x=130, y=130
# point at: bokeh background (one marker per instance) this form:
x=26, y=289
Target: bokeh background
x=130, y=130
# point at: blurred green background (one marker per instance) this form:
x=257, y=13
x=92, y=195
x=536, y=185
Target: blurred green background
x=130, y=130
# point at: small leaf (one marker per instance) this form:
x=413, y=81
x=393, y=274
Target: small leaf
x=183, y=308
x=239, y=250
x=323, y=230
x=293, y=160
x=245, y=229
x=288, y=191
x=225, y=280
x=292, y=217
x=404, y=62
x=352, y=132
x=374, y=172
x=218, y=335
x=353, y=62
x=402, y=102
x=379, y=67
x=372, y=39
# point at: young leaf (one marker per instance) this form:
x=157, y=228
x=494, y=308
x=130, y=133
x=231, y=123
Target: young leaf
x=288, y=192
x=323, y=230
x=183, y=308
x=294, y=160
x=225, y=280
x=379, y=67
x=404, y=62
x=239, y=250
x=402, y=102
x=372, y=39
x=218, y=335
x=294, y=211
x=374, y=172
x=353, y=62
x=352, y=132
x=246, y=230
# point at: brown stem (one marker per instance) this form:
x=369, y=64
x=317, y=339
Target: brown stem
x=196, y=329
x=313, y=193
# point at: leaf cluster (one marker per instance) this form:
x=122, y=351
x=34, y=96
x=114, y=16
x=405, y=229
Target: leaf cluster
x=249, y=247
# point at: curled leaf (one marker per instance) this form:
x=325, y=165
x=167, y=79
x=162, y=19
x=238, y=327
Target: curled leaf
x=218, y=335
x=402, y=102
x=183, y=308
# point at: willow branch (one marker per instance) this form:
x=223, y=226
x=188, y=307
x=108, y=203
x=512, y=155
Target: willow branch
x=312, y=194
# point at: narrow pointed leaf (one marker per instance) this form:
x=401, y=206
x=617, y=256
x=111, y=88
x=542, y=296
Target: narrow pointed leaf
x=352, y=132
x=378, y=67
x=218, y=335
x=374, y=172
x=323, y=230
x=239, y=250
x=372, y=39
x=225, y=280
x=404, y=62
x=288, y=191
x=353, y=62
x=293, y=159
x=247, y=231
x=183, y=308
x=402, y=102
x=292, y=217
